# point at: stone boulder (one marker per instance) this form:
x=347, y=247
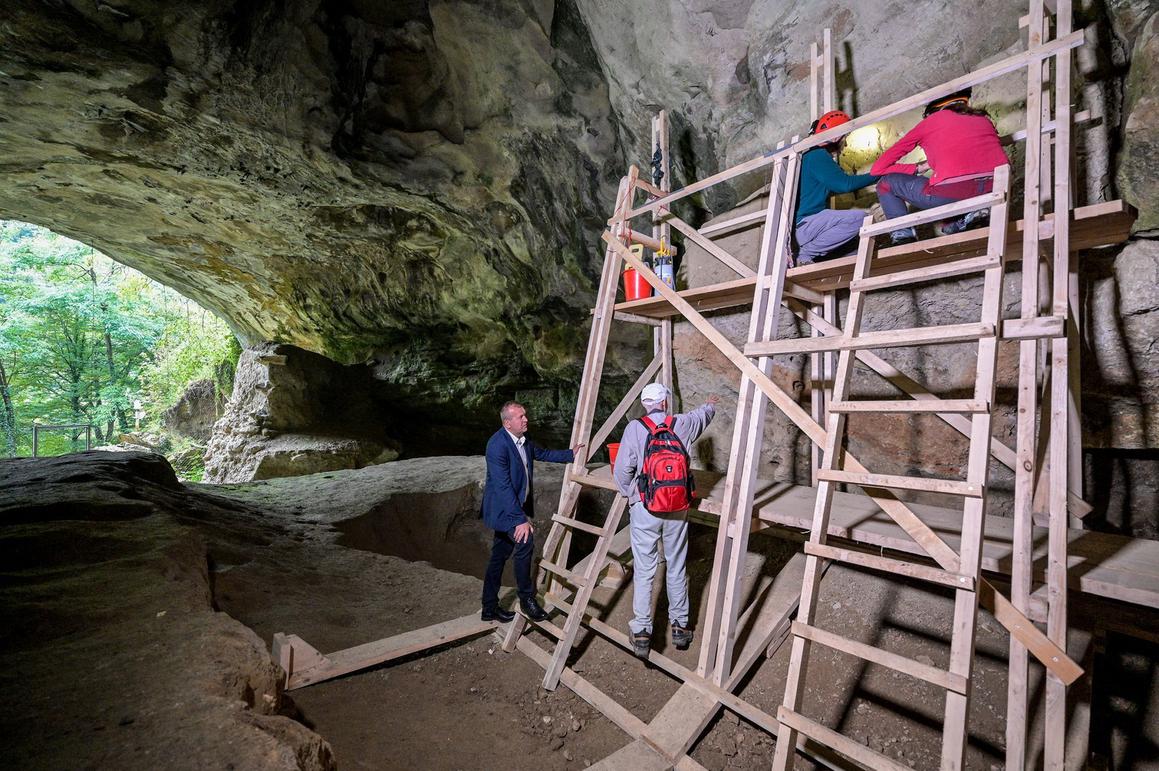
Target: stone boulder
x=113, y=653
x=1138, y=175
x=295, y=412
x=195, y=412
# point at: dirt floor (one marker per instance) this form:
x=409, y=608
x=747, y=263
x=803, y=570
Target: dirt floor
x=319, y=557
x=474, y=706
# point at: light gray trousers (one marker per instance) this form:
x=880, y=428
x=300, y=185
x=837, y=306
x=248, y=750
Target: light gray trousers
x=648, y=531
x=818, y=235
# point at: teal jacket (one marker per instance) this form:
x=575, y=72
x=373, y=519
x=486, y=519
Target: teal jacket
x=821, y=177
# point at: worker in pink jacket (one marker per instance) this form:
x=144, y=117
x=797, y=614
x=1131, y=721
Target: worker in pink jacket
x=962, y=149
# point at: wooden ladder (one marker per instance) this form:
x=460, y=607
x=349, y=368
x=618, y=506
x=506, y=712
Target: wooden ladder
x=964, y=577
x=564, y=583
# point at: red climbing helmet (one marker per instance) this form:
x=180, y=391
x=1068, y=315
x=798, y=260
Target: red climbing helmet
x=829, y=120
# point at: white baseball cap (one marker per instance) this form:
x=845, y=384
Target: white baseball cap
x=654, y=392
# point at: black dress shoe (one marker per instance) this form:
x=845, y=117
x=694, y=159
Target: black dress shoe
x=533, y=610
x=497, y=615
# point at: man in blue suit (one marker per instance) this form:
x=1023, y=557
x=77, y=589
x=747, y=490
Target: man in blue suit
x=508, y=508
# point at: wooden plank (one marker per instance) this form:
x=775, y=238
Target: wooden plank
x=1100, y=224
x=557, y=545
x=680, y=721
x=892, y=566
x=1025, y=434
x=919, y=275
x=926, y=484
x=632, y=318
x=814, y=85
x=624, y=405
x=1033, y=328
x=733, y=224
x=830, y=738
x=956, y=406
x=573, y=578
x=578, y=525
x=897, y=663
x=936, y=214
x=349, y=660
x=828, y=88
x=1039, y=645
x=956, y=722
x=1060, y=381
x=890, y=338
x=637, y=756
x=628, y=723
x=1093, y=225
x=694, y=236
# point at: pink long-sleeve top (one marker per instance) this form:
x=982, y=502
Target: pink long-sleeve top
x=957, y=146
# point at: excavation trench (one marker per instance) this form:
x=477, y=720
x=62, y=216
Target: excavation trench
x=446, y=531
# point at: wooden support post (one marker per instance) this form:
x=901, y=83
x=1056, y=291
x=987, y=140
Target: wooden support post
x=1060, y=387
x=558, y=544
x=662, y=231
x=1025, y=471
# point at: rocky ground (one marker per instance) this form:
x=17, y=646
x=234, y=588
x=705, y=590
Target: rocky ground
x=125, y=591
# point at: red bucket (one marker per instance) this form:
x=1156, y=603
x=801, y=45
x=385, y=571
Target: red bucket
x=613, y=448
x=635, y=287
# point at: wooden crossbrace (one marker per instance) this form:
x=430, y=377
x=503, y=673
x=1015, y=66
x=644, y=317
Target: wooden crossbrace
x=956, y=678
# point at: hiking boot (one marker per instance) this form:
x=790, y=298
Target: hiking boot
x=903, y=236
x=641, y=643
x=967, y=221
x=533, y=610
x=681, y=637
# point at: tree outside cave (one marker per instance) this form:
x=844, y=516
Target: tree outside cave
x=87, y=341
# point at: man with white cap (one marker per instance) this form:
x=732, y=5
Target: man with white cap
x=649, y=530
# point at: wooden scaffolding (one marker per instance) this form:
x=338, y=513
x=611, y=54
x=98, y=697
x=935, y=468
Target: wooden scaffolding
x=1046, y=457
x=947, y=548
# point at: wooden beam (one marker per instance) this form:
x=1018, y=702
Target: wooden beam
x=343, y=662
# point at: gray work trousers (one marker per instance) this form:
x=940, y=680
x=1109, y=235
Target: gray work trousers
x=822, y=234
x=648, y=531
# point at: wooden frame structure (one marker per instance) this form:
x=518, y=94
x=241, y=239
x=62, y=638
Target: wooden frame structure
x=1045, y=242
x=1045, y=457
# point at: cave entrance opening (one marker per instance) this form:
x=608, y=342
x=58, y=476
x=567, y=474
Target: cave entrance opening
x=92, y=344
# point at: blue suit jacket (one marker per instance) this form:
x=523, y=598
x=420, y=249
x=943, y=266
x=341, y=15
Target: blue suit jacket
x=501, y=507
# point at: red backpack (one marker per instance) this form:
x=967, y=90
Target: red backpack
x=665, y=481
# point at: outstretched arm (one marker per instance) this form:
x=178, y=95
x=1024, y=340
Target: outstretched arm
x=834, y=178
x=553, y=456
x=888, y=162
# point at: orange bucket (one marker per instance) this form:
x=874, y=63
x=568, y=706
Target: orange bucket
x=613, y=448
x=635, y=287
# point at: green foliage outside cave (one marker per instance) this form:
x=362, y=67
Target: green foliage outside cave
x=84, y=339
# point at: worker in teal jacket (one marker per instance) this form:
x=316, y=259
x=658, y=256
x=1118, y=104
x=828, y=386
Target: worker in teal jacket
x=823, y=233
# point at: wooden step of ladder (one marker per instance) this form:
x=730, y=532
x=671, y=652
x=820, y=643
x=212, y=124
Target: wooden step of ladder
x=964, y=575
